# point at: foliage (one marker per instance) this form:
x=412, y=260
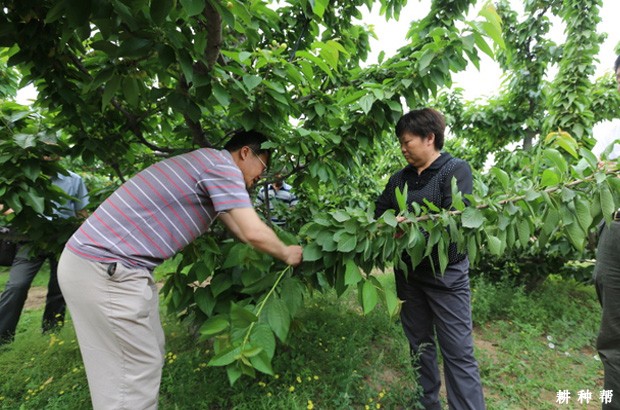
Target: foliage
x=129, y=82
x=25, y=182
x=528, y=106
x=9, y=77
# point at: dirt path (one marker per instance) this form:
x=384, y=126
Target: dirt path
x=36, y=297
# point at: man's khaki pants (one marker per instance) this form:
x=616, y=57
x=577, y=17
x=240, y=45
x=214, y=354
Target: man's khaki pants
x=115, y=313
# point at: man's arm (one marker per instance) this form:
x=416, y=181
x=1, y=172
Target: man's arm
x=249, y=228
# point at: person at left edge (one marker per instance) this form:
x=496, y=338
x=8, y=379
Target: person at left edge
x=105, y=270
x=28, y=262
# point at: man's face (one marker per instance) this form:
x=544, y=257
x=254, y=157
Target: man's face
x=618, y=78
x=254, y=165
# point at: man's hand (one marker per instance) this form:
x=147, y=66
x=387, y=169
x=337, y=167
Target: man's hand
x=295, y=255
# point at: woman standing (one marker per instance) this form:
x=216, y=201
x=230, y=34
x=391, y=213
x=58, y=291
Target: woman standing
x=436, y=308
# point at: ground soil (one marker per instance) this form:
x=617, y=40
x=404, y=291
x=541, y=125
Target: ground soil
x=36, y=297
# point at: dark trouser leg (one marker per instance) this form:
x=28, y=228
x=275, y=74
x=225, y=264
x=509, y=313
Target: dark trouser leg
x=54, y=315
x=607, y=280
x=12, y=301
x=417, y=321
x=450, y=303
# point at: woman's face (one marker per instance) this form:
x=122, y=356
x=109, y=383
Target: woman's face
x=417, y=150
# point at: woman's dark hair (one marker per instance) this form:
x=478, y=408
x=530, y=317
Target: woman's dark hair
x=617, y=64
x=252, y=139
x=423, y=122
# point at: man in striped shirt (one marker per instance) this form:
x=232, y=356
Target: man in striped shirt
x=105, y=271
x=278, y=199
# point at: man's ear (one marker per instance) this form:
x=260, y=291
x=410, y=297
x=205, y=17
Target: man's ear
x=244, y=152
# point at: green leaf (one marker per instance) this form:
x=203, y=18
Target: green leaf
x=312, y=252
x=401, y=198
x=565, y=141
x=278, y=318
x=492, y=27
x=110, y=89
x=226, y=356
x=390, y=219
x=347, y=242
x=221, y=95
x=366, y=102
x=472, y=218
x=582, y=212
x=263, y=336
x=549, y=178
x=315, y=61
x=31, y=170
x=251, y=81
x=131, y=91
x=292, y=294
x=340, y=216
x=551, y=221
x=319, y=6
x=56, y=12
x=192, y=7
x=425, y=61
x=25, y=140
x=576, y=235
x=241, y=317
x=234, y=373
x=205, y=300
x=523, y=230
x=262, y=363
x=557, y=159
x=36, y=202
x=369, y=296
x=160, y=10
x=330, y=54
x=352, y=274
x=220, y=283
x=392, y=303
x=607, y=201
x=483, y=45
x=214, y=325
x=495, y=245
x=472, y=249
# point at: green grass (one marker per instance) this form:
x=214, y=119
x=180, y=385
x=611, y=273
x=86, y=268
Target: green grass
x=337, y=358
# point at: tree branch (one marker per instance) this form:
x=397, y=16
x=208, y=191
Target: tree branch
x=571, y=184
x=214, y=34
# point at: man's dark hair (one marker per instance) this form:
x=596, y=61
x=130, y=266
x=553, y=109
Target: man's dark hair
x=252, y=139
x=617, y=64
x=423, y=122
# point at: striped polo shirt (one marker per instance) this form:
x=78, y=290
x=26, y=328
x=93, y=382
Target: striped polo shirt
x=162, y=209
x=280, y=202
